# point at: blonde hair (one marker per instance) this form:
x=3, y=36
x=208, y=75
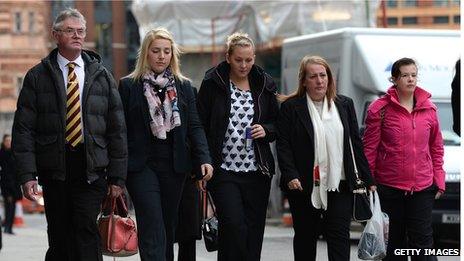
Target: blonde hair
x=301, y=91
x=238, y=39
x=142, y=66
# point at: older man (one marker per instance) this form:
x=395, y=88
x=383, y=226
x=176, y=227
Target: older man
x=69, y=132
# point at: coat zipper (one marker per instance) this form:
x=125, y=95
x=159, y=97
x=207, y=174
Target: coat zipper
x=263, y=166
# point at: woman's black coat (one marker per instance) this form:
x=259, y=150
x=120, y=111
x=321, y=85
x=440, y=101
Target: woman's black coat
x=188, y=138
x=214, y=107
x=295, y=145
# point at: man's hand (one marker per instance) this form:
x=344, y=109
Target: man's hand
x=114, y=191
x=30, y=190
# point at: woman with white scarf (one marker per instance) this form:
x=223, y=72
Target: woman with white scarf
x=315, y=127
x=163, y=131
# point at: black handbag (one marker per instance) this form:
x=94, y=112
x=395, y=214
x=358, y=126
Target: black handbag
x=210, y=224
x=361, y=206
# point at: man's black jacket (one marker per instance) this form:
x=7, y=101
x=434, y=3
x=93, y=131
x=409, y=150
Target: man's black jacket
x=40, y=123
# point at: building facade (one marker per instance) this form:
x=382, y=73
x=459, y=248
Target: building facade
x=425, y=14
x=111, y=31
x=25, y=38
x=23, y=43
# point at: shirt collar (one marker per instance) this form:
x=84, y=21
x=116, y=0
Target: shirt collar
x=63, y=62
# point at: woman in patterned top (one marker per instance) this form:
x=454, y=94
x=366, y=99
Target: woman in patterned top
x=235, y=97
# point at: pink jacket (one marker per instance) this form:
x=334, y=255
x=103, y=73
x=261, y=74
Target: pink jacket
x=404, y=150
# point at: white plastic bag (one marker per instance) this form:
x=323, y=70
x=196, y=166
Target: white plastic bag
x=374, y=238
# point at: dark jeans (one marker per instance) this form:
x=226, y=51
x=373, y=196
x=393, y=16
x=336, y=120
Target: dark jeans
x=241, y=202
x=156, y=196
x=309, y=223
x=10, y=208
x=410, y=220
x=71, y=209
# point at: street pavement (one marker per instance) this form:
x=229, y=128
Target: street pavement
x=30, y=244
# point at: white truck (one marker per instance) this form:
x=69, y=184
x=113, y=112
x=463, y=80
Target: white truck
x=361, y=59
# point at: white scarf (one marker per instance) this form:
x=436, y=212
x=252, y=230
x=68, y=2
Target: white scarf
x=328, y=150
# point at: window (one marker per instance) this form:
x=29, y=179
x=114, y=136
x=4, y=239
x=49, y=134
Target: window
x=17, y=22
x=457, y=19
x=392, y=20
x=31, y=22
x=103, y=39
x=392, y=3
x=410, y=3
x=19, y=83
x=441, y=19
x=410, y=20
x=440, y=2
x=456, y=2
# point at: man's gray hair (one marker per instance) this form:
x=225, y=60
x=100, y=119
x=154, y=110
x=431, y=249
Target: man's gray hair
x=65, y=14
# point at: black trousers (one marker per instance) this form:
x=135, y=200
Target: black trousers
x=241, y=202
x=309, y=223
x=187, y=250
x=71, y=209
x=156, y=196
x=10, y=208
x=410, y=220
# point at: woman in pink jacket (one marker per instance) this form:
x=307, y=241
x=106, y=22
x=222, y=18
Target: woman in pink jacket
x=404, y=147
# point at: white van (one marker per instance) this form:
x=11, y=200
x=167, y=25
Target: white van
x=361, y=60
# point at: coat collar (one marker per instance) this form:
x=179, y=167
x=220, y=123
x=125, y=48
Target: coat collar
x=303, y=115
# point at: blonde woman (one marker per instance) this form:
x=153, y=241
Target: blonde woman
x=161, y=116
x=315, y=128
x=237, y=97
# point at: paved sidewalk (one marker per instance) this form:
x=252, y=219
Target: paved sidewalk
x=30, y=244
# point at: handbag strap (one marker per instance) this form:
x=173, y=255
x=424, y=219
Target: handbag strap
x=113, y=206
x=208, y=199
x=354, y=161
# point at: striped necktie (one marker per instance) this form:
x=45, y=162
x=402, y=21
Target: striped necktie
x=73, y=105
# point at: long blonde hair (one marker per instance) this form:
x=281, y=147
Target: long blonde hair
x=142, y=66
x=301, y=91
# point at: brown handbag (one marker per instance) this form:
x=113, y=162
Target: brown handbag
x=117, y=230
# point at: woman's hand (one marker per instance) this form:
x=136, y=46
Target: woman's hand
x=207, y=173
x=295, y=184
x=257, y=131
x=438, y=195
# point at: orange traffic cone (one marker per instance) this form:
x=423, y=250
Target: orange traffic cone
x=287, y=219
x=18, y=219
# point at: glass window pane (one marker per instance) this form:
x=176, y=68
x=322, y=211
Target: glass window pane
x=410, y=3
x=410, y=20
x=17, y=22
x=457, y=19
x=440, y=2
x=392, y=20
x=31, y=22
x=392, y=3
x=441, y=19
